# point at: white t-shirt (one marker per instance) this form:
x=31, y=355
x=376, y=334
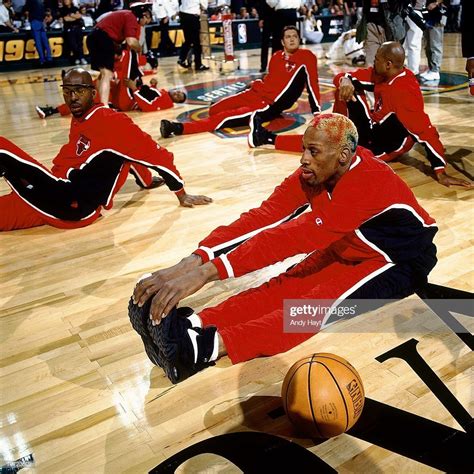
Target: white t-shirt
x=4, y=15
x=193, y=7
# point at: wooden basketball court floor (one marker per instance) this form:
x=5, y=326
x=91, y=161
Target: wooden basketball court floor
x=77, y=390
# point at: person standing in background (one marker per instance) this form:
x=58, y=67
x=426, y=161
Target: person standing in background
x=348, y=12
x=285, y=15
x=189, y=13
x=35, y=9
x=265, y=16
x=381, y=21
x=453, y=16
x=467, y=34
x=434, y=35
x=414, y=39
x=72, y=24
x=163, y=10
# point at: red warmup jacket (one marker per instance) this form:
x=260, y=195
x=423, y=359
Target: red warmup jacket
x=103, y=129
x=120, y=25
x=281, y=70
x=371, y=213
x=402, y=96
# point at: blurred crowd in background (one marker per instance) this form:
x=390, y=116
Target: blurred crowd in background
x=14, y=14
x=74, y=16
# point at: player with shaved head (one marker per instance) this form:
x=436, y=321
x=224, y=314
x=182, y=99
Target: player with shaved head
x=363, y=236
x=395, y=124
x=104, y=146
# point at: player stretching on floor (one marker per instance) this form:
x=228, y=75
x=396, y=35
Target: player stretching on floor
x=290, y=71
x=127, y=91
x=397, y=121
x=104, y=146
x=365, y=237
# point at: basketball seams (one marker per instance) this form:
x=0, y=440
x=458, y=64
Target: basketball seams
x=302, y=399
x=356, y=375
x=341, y=393
x=310, y=399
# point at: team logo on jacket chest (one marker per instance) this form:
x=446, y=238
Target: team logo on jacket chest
x=290, y=66
x=378, y=105
x=82, y=145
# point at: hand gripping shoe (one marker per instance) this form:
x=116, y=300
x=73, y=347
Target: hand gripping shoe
x=186, y=350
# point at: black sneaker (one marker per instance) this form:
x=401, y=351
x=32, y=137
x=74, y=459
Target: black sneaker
x=156, y=182
x=202, y=68
x=139, y=318
x=186, y=350
x=168, y=128
x=359, y=60
x=44, y=112
x=183, y=64
x=259, y=135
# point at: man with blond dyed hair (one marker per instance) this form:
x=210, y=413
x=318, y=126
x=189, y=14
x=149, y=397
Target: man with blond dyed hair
x=364, y=236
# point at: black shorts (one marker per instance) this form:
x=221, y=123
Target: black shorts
x=101, y=49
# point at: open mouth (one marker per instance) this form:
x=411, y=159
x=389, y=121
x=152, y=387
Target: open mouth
x=306, y=173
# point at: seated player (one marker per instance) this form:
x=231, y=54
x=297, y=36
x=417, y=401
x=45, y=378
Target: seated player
x=365, y=237
x=104, y=146
x=397, y=121
x=127, y=91
x=290, y=71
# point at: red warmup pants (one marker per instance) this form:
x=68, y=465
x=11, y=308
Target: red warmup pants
x=17, y=213
x=227, y=112
x=251, y=323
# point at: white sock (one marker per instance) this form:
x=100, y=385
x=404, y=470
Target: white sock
x=215, y=351
x=195, y=321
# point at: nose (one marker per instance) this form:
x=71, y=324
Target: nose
x=304, y=160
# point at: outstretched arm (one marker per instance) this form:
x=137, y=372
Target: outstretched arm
x=447, y=180
x=133, y=44
x=287, y=202
x=312, y=84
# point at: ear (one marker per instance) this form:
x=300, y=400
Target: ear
x=345, y=156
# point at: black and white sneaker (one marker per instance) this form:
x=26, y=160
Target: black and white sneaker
x=259, y=135
x=186, y=349
x=44, y=112
x=168, y=128
x=139, y=318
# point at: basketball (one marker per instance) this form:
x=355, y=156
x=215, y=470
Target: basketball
x=323, y=395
